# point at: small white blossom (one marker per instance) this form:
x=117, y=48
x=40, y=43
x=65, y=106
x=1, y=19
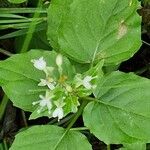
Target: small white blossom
x=39, y=63
x=45, y=101
x=50, y=84
x=59, y=60
x=58, y=112
x=86, y=82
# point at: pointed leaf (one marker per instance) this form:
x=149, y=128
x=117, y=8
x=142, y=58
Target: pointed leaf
x=120, y=113
x=50, y=138
x=91, y=30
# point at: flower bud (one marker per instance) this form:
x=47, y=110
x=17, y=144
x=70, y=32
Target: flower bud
x=59, y=60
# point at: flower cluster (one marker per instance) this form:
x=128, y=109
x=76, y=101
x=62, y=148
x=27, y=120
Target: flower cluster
x=61, y=96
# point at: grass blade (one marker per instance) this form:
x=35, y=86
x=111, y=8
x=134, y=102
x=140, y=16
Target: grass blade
x=22, y=10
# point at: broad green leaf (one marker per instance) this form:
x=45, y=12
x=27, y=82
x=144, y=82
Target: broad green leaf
x=56, y=11
x=121, y=111
x=50, y=138
x=134, y=146
x=17, y=1
x=92, y=30
x=19, y=78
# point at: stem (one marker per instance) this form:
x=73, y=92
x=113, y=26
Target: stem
x=32, y=27
x=146, y=43
x=53, y=121
x=5, y=144
x=66, y=119
x=90, y=99
x=24, y=118
x=84, y=103
x=3, y=106
x=7, y=53
x=142, y=70
x=79, y=129
x=108, y=147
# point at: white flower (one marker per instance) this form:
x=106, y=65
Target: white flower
x=45, y=101
x=86, y=82
x=50, y=83
x=59, y=60
x=58, y=112
x=39, y=63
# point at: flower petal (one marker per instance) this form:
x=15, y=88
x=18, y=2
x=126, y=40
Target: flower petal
x=58, y=112
x=43, y=82
x=39, y=63
x=51, y=86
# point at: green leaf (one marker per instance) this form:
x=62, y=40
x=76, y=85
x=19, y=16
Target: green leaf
x=19, y=78
x=134, y=146
x=120, y=113
x=50, y=138
x=56, y=11
x=17, y=1
x=92, y=30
